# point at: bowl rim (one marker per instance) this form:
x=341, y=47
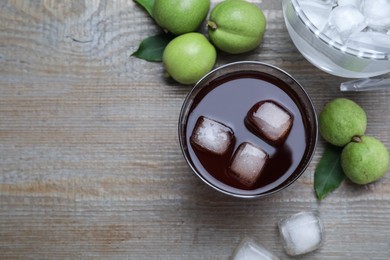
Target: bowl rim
x=182, y=124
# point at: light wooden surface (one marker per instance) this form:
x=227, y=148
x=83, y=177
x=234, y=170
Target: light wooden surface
x=90, y=164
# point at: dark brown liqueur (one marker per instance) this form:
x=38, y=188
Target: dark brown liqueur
x=228, y=100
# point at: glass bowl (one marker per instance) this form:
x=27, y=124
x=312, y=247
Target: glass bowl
x=327, y=54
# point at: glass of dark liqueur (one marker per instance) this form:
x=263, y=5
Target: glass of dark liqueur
x=248, y=129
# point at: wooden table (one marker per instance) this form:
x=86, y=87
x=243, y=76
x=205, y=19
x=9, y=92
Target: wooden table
x=90, y=164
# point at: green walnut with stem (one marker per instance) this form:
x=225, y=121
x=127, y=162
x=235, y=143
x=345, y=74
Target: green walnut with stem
x=365, y=159
x=236, y=26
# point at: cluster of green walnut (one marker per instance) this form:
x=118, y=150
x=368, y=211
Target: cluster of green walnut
x=234, y=26
x=364, y=159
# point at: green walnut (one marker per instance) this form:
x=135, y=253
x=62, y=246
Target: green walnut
x=180, y=16
x=340, y=120
x=236, y=26
x=365, y=159
x=189, y=57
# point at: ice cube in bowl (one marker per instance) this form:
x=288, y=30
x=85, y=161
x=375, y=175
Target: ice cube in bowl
x=377, y=13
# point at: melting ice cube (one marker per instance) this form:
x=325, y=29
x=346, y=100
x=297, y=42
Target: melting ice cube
x=270, y=121
x=377, y=13
x=316, y=11
x=212, y=136
x=370, y=41
x=355, y=3
x=347, y=20
x=325, y=2
x=248, y=249
x=247, y=163
x=301, y=233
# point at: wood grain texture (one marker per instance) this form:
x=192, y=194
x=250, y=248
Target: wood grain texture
x=90, y=164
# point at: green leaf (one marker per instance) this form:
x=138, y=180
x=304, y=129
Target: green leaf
x=152, y=48
x=328, y=174
x=147, y=5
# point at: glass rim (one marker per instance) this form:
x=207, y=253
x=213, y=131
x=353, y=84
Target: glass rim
x=373, y=55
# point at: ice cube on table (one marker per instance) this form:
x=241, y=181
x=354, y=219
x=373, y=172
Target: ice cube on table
x=247, y=163
x=347, y=20
x=316, y=11
x=301, y=233
x=270, y=121
x=370, y=41
x=377, y=13
x=212, y=136
x=249, y=249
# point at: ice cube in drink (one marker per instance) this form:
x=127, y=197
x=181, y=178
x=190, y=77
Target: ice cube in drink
x=270, y=120
x=212, y=136
x=301, y=233
x=247, y=164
